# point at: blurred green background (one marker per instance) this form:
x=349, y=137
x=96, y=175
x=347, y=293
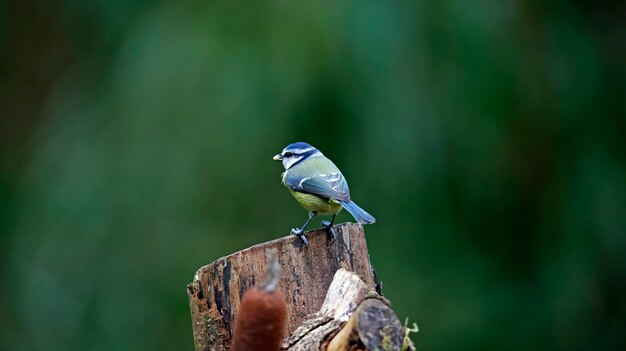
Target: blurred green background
x=487, y=137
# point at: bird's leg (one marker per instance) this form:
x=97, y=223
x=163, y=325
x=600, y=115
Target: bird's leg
x=329, y=227
x=299, y=232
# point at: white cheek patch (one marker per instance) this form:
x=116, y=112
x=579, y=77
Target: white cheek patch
x=288, y=162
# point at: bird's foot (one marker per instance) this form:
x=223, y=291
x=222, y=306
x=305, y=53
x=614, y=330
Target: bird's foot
x=300, y=233
x=330, y=230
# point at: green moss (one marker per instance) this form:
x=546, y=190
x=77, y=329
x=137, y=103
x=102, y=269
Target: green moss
x=407, y=343
x=386, y=342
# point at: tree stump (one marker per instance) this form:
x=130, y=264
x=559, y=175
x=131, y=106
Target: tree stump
x=306, y=274
x=353, y=317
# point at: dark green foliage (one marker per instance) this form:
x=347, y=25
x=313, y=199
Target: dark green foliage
x=487, y=138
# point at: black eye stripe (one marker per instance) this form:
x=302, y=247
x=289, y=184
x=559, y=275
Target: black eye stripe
x=288, y=154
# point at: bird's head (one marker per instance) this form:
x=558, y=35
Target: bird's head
x=295, y=153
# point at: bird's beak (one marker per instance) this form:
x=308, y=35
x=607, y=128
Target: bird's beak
x=278, y=157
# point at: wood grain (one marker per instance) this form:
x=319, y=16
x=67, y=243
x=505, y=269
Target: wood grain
x=306, y=273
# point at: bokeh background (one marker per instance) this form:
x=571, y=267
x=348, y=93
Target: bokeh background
x=487, y=137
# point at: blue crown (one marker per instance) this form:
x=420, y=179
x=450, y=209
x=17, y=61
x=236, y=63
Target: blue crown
x=299, y=146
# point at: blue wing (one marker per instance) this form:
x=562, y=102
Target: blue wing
x=332, y=186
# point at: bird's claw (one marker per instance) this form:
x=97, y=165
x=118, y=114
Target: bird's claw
x=298, y=232
x=330, y=230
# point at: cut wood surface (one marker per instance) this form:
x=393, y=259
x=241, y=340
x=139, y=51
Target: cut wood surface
x=306, y=273
x=373, y=326
x=353, y=316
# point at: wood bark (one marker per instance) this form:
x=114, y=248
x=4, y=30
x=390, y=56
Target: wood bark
x=353, y=317
x=306, y=274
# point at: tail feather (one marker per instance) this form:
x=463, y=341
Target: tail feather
x=358, y=213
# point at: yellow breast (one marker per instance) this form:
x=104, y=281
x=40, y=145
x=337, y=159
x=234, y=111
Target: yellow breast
x=315, y=203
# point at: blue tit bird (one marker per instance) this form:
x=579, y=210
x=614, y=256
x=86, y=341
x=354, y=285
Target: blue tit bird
x=318, y=185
